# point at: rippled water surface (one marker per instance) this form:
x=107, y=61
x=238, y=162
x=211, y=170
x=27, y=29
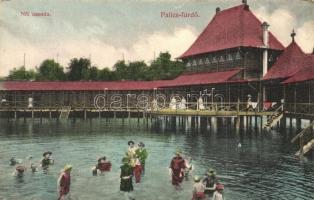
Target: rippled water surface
x=263, y=168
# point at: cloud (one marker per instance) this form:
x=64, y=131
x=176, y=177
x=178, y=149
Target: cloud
x=62, y=38
x=282, y=22
x=305, y=36
x=176, y=43
x=102, y=54
x=69, y=35
x=43, y=38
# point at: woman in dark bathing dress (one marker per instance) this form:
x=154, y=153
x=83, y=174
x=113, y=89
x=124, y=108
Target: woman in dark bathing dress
x=126, y=175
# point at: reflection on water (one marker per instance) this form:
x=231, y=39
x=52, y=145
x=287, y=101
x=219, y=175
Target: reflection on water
x=262, y=168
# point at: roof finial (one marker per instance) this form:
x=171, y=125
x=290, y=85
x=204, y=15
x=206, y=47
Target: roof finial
x=293, y=35
x=217, y=9
x=244, y=2
x=265, y=25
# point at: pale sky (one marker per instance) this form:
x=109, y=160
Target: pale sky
x=105, y=30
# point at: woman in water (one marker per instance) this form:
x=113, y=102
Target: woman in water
x=19, y=171
x=64, y=182
x=137, y=170
x=210, y=181
x=126, y=175
x=218, y=193
x=142, y=155
x=198, y=189
x=103, y=165
x=47, y=160
x=176, y=169
x=131, y=153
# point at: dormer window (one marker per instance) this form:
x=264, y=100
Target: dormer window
x=214, y=59
x=237, y=56
x=206, y=61
x=201, y=61
x=194, y=63
x=229, y=57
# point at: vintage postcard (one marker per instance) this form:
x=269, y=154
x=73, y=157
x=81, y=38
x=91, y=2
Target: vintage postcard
x=156, y=100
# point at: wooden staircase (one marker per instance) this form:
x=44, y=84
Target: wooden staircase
x=65, y=112
x=306, y=148
x=274, y=118
x=309, y=145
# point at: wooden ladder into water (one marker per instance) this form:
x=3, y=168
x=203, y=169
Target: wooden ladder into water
x=274, y=118
x=65, y=112
x=309, y=144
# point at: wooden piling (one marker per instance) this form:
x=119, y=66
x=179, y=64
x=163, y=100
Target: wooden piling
x=193, y=122
x=237, y=124
x=24, y=115
x=283, y=123
x=298, y=124
x=244, y=122
x=290, y=123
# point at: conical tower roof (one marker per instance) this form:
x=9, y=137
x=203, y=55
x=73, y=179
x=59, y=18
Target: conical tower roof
x=230, y=28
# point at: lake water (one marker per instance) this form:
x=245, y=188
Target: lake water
x=263, y=168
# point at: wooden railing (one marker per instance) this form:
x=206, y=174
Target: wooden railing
x=299, y=108
x=304, y=145
x=23, y=105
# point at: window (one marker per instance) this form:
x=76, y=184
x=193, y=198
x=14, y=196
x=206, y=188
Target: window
x=206, y=61
x=237, y=56
x=194, y=63
x=229, y=57
x=214, y=59
x=200, y=61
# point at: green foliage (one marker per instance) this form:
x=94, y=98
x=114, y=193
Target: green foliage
x=164, y=68
x=21, y=74
x=120, y=69
x=137, y=70
x=106, y=75
x=80, y=69
x=131, y=71
x=49, y=70
x=93, y=73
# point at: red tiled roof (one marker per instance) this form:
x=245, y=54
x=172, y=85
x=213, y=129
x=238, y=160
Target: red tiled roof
x=82, y=85
x=230, y=28
x=186, y=79
x=288, y=63
x=203, y=78
x=306, y=74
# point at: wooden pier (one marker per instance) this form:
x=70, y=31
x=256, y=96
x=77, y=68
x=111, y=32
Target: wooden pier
x=206, y=113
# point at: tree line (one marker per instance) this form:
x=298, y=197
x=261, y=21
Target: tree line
x=80, y=69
